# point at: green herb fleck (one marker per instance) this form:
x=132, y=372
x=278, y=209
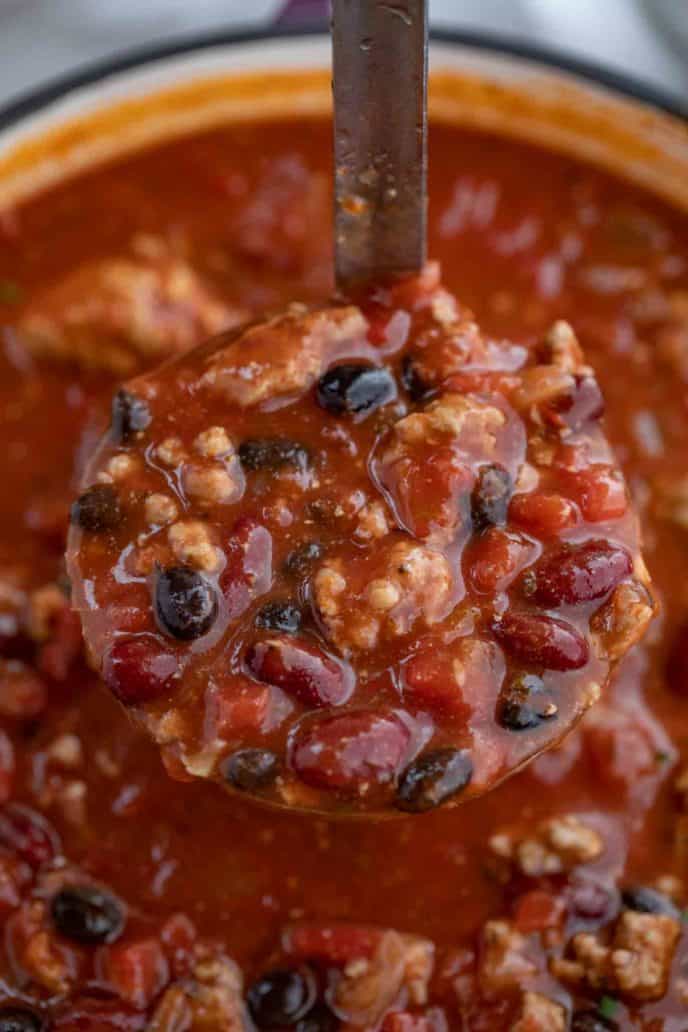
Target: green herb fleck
x=607, y=1007
x=10, y=292
x=662, y=757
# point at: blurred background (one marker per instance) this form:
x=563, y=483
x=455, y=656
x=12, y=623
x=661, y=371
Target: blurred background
x=40, y=39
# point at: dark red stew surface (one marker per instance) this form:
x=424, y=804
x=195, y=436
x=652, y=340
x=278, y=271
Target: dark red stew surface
x=359, y=556
x=133, y=901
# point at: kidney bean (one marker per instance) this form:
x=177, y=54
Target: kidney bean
x=300, y=669
x=349, y=750
x=542, y=641
x=138, y=670
x=248, y=570
x=579, y=574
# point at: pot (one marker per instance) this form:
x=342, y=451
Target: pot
x=146, y=96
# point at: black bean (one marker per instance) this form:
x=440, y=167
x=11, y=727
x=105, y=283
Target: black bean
x=412, y=380
x=185, y=603
x=273, y=453
x=300, y=561
x=16, y=1018
x=129, y=415
x=490, y=497
x=433, y=778
x=279, y=616
x=319, y=1019
x=591, y=1021
x=87, y=914
x=97, y=508
x=649, y=901
x=281, y=997
x=523, y=704
x=251, y=769
x=355, y=389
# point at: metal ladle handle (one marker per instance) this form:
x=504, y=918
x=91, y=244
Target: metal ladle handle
x=380, y=58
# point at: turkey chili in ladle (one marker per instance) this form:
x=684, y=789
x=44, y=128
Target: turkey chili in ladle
x=361, y=557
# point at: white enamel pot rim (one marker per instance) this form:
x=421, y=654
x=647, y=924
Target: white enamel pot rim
x=569, y=104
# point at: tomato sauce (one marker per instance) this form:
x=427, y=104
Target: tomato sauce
x=553, y=902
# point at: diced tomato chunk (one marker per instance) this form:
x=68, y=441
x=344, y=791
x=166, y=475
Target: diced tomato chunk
x=334, y=944
x=544, y=515
x=599, y=491
x=99, y=1015
x=480, y=381
x=537, y=910
x=433, y=490
x=414, y=291
x=460, y=680
x=429, y=681
x=178, y=936
x=137, y=971
x=404, y=1021
x=235, y=704
x=496, y=558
